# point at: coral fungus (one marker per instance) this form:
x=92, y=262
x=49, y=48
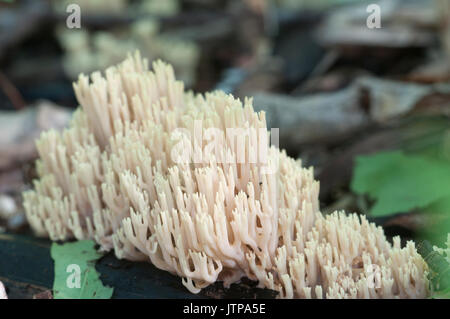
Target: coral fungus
x=131, y=173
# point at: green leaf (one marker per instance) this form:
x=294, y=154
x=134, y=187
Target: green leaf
x=399, y=183
x=438, y=224
x=439, y=268
x=75, y=274
x=445, y=294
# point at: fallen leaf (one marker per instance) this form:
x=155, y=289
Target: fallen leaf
x=399, y=182
x=75, y=274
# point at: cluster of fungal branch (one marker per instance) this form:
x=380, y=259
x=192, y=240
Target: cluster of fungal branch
x=126, y=173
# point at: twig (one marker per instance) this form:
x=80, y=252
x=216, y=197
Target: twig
x=11, y=92
x=324, y=65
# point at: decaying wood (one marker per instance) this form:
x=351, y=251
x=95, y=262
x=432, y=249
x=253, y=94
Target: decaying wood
x=22, y=290
x=313, y=119
x=326, y=118
x=29, y=272
x=403, y=25
x=391, y=99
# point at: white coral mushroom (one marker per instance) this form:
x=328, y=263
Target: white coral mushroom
x=120, y=175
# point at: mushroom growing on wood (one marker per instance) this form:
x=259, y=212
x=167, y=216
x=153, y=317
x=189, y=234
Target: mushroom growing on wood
x=151, y=171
